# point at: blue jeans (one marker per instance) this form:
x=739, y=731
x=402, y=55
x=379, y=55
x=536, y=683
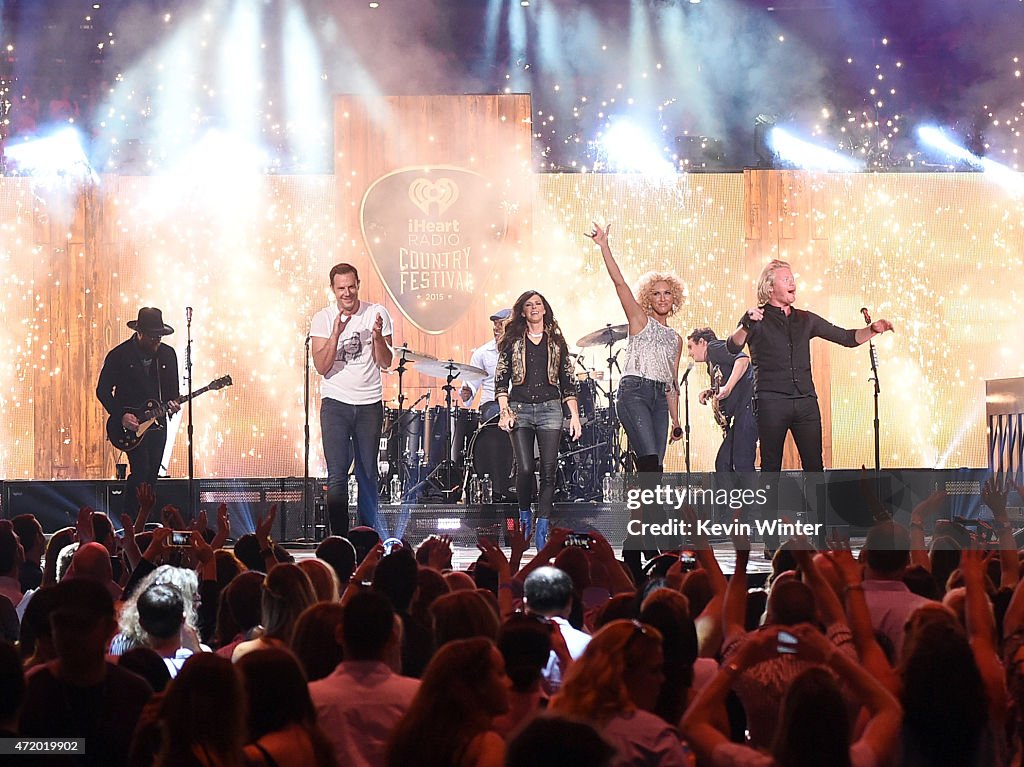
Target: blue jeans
x=352, y=432
x=642, y=406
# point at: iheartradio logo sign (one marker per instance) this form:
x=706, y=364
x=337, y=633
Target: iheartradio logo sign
x=431, y=233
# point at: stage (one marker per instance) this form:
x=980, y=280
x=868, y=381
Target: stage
x=835, y=499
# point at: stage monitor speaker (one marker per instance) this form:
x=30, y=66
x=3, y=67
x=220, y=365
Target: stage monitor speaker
x=54, y=503
x=168, y=491
x=249, y=500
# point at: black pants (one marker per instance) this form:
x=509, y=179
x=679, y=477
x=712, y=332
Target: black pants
x=801, y=417
x=145, y=467
x=774, y=418
x=522, y=442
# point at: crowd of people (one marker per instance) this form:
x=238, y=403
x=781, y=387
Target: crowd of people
x=197, y=652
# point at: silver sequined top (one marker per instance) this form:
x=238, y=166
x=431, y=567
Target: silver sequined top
x=651, y=353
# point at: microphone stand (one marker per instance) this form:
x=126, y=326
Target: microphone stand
x=873, y=355
x=308, y=523
x=191, y=447
x=686, y=426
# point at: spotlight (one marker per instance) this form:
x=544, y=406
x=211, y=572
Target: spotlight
x=763, y=123
x=795, y=152
x=628, y=148
x=59, y=154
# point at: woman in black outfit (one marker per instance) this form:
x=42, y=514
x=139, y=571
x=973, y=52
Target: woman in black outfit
x=533, y=377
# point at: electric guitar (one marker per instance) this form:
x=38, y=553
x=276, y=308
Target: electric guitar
x=716, y=406
x=124, y=439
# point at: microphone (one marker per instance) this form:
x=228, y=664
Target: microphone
x=866, y=314
x=686, y=374
x=188, y=315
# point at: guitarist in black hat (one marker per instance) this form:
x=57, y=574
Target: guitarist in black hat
x=140, y=369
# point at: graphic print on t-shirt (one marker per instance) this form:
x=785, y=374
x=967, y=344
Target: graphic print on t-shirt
x=350, y=349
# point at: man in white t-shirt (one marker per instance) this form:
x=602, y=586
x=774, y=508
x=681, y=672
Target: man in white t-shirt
x=486, y=358
x=351, y=341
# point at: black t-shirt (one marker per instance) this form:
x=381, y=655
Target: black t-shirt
x=105, y=714
x=535, y=387
x=721, y=359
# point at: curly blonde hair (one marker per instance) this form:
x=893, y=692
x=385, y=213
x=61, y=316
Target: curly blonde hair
x=594, y=688
x=645, y=289
x=766, y=282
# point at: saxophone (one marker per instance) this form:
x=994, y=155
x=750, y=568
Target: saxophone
x=716, y=407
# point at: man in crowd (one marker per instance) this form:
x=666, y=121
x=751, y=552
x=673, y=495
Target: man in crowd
x=361, y=702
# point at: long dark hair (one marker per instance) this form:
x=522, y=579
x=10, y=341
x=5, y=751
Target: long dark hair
x=515, y=328
x=449, y=708
x=813, y=696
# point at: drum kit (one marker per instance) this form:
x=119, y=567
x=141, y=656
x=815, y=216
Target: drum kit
x=440, y=447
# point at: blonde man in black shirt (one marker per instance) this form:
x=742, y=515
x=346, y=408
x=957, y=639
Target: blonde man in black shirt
x=779, y=339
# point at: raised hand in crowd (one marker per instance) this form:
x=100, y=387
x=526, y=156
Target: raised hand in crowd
x=223, y=528
x=84, y=527
x=146, y=498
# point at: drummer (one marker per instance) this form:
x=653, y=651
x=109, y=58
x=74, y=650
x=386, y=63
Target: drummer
x=486, y=358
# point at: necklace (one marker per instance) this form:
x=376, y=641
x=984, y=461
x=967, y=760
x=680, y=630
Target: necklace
x=534, y=335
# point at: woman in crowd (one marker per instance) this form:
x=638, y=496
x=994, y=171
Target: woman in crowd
x=614, y=685
x=534, y=375
x=286, y=593
x=282, y=721
x=450, y=721
x=814, y=725
x=315, y=639
x=203, y=716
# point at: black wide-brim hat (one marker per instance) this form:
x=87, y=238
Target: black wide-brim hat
x=151, y=322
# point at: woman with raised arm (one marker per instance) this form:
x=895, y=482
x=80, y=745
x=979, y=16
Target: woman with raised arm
x=533, y=377
x=648, y=395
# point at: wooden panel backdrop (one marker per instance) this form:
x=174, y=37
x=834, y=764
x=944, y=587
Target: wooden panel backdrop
x=489, y=134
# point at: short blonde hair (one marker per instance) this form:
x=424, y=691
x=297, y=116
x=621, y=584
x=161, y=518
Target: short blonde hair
x=645, y=287
x=766, y=282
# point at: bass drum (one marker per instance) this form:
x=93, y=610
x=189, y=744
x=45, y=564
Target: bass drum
x=490, y=450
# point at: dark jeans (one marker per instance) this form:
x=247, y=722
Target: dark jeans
x=643, y=410
x=777, y=416
x=352, y=432
x=488, y=410
x=739, y=448
x=534, y=422
x=145, y=467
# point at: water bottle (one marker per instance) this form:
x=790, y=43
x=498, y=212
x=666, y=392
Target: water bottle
x=607, y=489
x=486, y=490
x=473, y=497
x=396, y=489
x=353, y=490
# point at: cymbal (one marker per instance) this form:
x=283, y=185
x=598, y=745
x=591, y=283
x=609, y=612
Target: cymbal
x=606, y=336
x=441, y=369
x=404, y=352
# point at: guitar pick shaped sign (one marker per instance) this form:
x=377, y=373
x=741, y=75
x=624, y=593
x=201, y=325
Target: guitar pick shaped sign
x=432, y=233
